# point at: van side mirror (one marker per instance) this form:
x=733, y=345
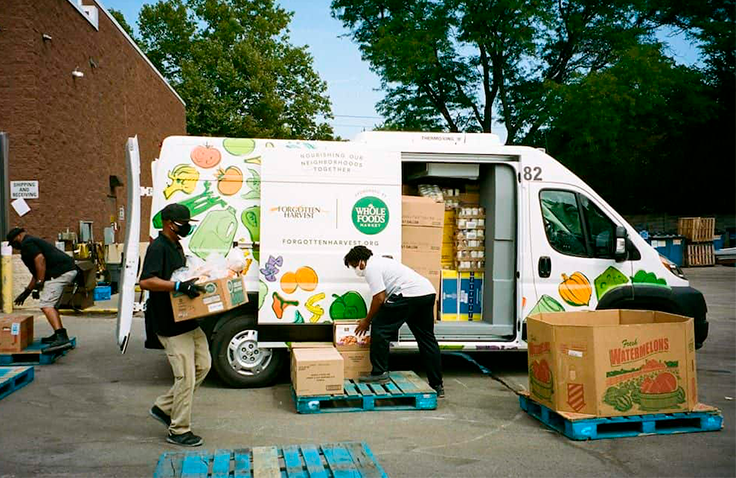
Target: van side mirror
x=619, y=247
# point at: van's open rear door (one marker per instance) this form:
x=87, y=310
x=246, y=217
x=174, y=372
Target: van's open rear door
x=132, y=239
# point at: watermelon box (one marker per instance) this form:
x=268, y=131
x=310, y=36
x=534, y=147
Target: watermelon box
x=612, y=362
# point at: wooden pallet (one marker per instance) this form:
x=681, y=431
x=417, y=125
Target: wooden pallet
x=14, y=378
x=34, y=355
x=697, y=229
x=699, y=255
x=349, y=459
x=620, y=427
x=405, y=391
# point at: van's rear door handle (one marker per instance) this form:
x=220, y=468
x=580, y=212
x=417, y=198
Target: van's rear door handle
x=545, y=266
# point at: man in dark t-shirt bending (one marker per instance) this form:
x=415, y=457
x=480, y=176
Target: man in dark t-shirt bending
x=185, y=343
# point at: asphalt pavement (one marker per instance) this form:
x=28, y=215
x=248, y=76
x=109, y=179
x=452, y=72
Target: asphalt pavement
x=87, y=414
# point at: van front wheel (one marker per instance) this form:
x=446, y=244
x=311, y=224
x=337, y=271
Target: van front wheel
x=239, y=361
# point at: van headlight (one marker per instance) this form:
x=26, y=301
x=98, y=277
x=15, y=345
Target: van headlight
x=672, y=267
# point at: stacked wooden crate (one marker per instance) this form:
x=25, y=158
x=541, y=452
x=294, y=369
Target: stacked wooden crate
x=698, y=232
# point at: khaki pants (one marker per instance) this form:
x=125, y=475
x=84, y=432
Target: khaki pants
x=190, y=361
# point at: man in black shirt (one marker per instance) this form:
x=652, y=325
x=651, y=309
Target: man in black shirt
x=185, y=343
x=51, y=271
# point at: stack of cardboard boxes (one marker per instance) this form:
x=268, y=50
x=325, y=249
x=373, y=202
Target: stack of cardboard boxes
x=355, y=350
x=422, y=236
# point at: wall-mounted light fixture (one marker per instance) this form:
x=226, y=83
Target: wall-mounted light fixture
x=46, y=37
x=77, y=74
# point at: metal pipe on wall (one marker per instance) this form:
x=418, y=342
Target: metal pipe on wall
x=6, y=252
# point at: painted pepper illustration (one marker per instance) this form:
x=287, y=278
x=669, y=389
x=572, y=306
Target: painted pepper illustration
x=298, y=317
x=280, y=304
x=576, y=289
x=316, y=310
x=349, y=306
x=609, y=279
x=215, y=234
x=183, y=178
x=197, y=204
x=644, y=277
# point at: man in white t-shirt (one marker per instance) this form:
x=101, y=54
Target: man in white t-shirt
x=400, y=295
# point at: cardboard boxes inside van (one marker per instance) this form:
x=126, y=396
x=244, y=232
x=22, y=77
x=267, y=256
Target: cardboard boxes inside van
x=612, y=362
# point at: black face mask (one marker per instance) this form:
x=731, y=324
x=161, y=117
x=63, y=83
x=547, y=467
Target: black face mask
x=183, y=230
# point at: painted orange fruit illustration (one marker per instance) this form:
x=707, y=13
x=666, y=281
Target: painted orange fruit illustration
x=205, y=156
x=307, y=278
x=289, y=282
x=229, y=181
x=576, y=289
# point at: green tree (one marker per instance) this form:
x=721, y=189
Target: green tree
x=452, y=63
x=233, y=64
x=120, y=18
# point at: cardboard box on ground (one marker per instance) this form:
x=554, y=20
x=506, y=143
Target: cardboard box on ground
x=317, y=371
x=16, y=333
x=612, y=362
x=354, y=349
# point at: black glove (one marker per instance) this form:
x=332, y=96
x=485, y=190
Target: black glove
x=37, y=290
x=190, y=288
x=22, y=297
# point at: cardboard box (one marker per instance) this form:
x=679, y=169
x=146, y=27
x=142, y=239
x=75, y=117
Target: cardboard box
x=422, y=239
x=81, y=299
x=357, y=363
x=421, y=211
x=469, y=199
x=449, y=303
x=16, y=332
x=345, y=338
x=462, y=296
x=220, y=295
x=612, y=362
x=89, y=274
x=317, y=371
x=310, y=345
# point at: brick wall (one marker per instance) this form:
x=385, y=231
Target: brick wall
x=69, y=133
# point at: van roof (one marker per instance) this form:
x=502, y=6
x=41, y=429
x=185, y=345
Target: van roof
x=389, y=138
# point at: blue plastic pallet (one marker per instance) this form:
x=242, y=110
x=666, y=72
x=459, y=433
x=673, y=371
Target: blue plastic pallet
x=405, y=391
x=620, y=427
x=34, y=355
x=14, y=378
x=339, y=460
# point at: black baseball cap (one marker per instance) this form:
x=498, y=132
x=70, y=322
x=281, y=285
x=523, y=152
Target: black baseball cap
x=176, y=212
x=14, y=233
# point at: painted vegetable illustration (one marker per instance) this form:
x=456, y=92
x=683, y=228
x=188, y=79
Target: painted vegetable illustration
x=576, y=289
x=229, y=181
x=262, y=293
x=304, y=278
x=349, y=306
x=650, y=388
x=280, y=304
x=540, y=379
x=183, y=178
x=197, y=204
x=215, y=233
x=251, y=218
x=239, y=146
x=254, y=185
x=298, y=318
x=546, y=304
x=206, y=156
x=609, y=279
x=316, y=310
x=644, y=277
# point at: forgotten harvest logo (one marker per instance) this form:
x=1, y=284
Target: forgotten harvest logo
x=370, y=215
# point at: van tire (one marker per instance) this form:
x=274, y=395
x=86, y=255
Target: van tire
x=244, y=364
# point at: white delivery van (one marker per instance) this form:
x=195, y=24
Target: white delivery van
x=295, y=208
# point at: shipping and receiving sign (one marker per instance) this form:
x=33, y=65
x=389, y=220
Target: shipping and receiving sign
x=23, y=189
x=315, y=206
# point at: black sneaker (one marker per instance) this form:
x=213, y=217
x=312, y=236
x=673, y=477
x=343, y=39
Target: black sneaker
x=48, y=340
x=60, y=343
x=440, y=391
x=185, y=439
x=160, y=415
x=380, y=378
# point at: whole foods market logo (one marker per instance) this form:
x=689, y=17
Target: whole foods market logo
x=370, y=215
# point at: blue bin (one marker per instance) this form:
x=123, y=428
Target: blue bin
x=718, y=242
x=670, y=246
x=103, y=292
